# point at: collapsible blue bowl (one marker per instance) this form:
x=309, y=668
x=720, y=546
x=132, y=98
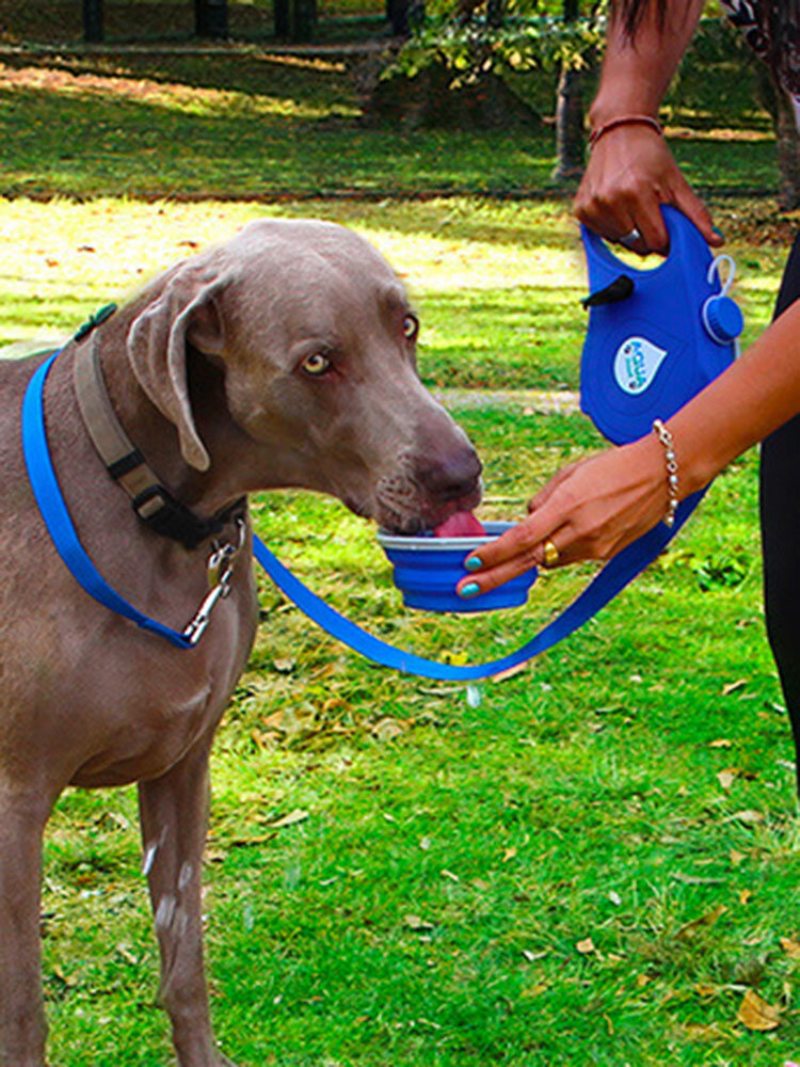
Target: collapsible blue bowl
x=427, y=569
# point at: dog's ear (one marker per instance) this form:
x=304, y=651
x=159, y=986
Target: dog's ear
x=186, y=309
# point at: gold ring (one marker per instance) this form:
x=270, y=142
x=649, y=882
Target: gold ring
x=551, y=554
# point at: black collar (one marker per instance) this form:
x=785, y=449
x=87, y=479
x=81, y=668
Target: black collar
x=152, y=502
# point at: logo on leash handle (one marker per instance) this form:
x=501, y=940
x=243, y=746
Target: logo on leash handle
x=636, y=364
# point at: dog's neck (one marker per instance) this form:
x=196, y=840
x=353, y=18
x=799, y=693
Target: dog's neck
x=206, y=492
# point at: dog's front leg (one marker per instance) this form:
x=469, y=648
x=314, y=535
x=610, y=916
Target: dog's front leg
x=174, y=811
x=23, y=815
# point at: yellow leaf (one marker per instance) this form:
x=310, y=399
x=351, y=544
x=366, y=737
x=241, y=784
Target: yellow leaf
x=734, y=687
x=705, y=990
x=756, y=1014
x=737, y=857
x=721, y=742
x=291, y=819
x=586, y=946
x=744, y=896
x=791, y=947
x=708, y=919
x=726, y=778
x=509, y=854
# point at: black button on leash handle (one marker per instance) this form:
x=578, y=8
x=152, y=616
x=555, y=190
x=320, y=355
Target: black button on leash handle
x=620, y=289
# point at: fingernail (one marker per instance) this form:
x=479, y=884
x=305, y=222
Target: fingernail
x=474, y=563
x=470, y=589
x=718, y=232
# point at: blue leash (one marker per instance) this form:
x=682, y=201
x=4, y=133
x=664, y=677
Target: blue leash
x=609, y=582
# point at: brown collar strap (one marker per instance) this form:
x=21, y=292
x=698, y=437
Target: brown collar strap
x=154, y=505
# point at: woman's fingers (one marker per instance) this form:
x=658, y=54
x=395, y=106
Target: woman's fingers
x=518, y=550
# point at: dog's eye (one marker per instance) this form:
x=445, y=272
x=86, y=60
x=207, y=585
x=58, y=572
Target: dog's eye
x=410, y=327
x=317, y=365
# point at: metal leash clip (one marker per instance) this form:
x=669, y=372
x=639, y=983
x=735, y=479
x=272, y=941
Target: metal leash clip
x=220, y=574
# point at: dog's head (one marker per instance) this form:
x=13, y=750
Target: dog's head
x=312, y=341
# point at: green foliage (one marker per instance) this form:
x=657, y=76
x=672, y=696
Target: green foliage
x=474, y=45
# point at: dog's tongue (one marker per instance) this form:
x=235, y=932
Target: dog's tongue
x=462, y=524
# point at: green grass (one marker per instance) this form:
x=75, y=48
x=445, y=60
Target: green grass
x=434, y=907
x=497, y=285
x=634, y=787
x=153, y=126
x=430, y=908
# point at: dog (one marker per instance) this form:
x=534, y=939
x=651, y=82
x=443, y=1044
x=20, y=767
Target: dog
x=283, y=358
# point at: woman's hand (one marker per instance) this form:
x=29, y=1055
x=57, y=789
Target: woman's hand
x=589, y=510
x=630, y=173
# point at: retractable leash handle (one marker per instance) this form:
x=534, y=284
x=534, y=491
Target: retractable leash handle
x=656, y=337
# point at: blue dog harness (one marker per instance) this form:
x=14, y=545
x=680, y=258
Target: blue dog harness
x=675, y=386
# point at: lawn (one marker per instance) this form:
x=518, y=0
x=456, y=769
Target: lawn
x=592, y=862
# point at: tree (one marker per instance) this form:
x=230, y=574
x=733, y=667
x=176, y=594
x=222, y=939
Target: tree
x=463, y=51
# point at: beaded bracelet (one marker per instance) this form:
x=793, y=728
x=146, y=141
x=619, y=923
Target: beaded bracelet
x=624, y=120
x=665, y=437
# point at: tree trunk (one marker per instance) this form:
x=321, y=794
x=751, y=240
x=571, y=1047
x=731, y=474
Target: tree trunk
x=93, y=21
x=788, y=154
x=211, y=18
x=777, y=103
x=569, y=114
x=569, y=126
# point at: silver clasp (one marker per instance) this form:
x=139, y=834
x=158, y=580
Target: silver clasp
x=220, y=575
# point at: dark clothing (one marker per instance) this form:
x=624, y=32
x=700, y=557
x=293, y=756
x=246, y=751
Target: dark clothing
x=780, y=524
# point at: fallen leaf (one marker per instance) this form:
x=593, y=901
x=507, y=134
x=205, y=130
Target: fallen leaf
x=510, y=672
x=791, y=947
x=534, y=991
x=294, y=817
x=586, y=946
x=283, y=665
x=531, y=957
x=642, y=980
x=509, y=854
x=749, y=818
x=726, y=778
x=388, y=729
x=615, y=898
x=425, y=844
x=733, y=687
x=737, y=857
x=703, y=989
x=721, y=742
x=708, y=919
x=416, y=923
x=756, y=1014
x=745, y=895
x=451, y=876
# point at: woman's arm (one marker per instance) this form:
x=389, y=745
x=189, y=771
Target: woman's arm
x=595, y=508
x=631, y=170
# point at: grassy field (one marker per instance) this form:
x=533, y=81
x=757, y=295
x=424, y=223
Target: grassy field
x=592, y=862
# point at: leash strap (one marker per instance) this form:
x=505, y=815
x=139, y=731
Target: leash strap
x=57, y=519
x=609, y=582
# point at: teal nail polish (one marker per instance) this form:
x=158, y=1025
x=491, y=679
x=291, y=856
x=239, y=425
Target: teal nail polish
x=470, y=589
x=474, y=563
x=718, y=232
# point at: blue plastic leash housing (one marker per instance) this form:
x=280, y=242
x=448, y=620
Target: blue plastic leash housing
x=656, y=337
x=685, y=368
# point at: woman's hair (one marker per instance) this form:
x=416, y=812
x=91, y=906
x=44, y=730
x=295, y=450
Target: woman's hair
x=632, y=12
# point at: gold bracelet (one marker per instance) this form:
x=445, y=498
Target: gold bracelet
x=665, y=437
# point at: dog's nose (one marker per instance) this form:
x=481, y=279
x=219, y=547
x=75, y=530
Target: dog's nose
x=450, y=475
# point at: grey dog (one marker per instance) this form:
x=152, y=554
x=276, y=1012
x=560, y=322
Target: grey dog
x=285, y=357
